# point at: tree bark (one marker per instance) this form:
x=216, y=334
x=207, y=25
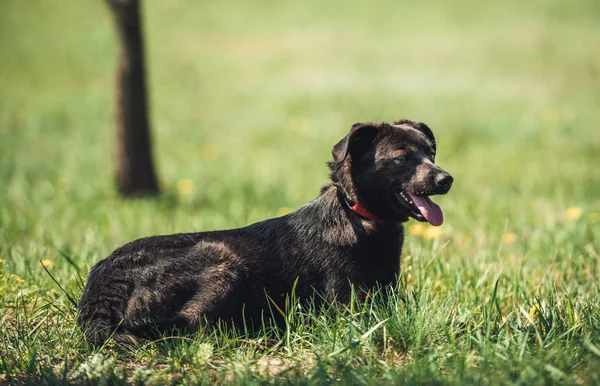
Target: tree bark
x=135, y=173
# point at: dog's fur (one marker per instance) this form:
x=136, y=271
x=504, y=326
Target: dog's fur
x=161, y=282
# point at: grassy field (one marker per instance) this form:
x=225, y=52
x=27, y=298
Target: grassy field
x=247, y=99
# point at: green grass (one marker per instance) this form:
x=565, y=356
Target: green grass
x=247, y=99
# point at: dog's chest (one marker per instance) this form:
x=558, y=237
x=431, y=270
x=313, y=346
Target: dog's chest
x=379, y=257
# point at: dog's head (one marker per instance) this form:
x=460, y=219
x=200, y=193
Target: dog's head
x=391, y=170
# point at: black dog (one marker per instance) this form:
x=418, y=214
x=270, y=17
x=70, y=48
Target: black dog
x=350, y=235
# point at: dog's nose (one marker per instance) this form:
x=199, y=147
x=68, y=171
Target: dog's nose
x=444, y=180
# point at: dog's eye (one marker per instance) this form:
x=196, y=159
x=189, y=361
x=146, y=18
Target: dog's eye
x=401, y=158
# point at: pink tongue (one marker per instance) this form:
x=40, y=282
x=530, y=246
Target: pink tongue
x=429, y=209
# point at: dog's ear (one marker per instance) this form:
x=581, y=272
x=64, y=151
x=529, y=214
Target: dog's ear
x=423, y=128
x=358, y=141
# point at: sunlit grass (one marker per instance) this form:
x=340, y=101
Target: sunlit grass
x=247, y=99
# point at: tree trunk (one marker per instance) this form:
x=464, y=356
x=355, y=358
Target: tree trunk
x=134, y=167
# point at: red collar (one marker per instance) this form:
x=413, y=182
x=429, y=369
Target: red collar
x=357, y=207
x=364, y=212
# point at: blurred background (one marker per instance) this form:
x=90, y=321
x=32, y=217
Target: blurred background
x=248, y=97
x=246, y=100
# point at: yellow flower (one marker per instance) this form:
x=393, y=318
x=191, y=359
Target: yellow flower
x=509, y=238
x=573, y=213
x=533, y=311
x=594, y=218
x=1, y=261
x=17, y=278
x=46, y=262
x=185, y=187
x=416, y=229
x=283, y=211
x=433, y=233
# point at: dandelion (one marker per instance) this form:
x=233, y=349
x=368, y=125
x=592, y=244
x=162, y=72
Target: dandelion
x=573, y=213
x=416, y=229
x=46, y=262
x=17, y=278
x=283, y=211
x=433, y=233
x=594, y=218
x=533, y=311
x=509, y=238
x=185, y=187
